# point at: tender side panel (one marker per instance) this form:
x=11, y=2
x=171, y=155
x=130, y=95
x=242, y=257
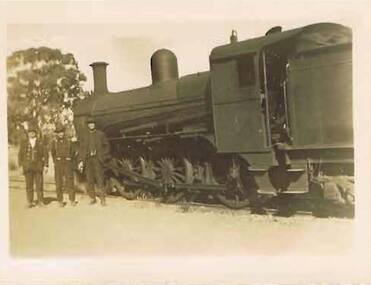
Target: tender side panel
x=320, y=99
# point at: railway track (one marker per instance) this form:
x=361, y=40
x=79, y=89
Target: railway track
x=18, y=184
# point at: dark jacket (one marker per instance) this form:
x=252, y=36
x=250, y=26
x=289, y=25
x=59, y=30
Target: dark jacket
x=33, y=159
x=100, y=144
x=62, y=150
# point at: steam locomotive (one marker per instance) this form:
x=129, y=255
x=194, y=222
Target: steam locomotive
x=272, y=118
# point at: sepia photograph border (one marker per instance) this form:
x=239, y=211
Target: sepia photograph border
x=354, y=267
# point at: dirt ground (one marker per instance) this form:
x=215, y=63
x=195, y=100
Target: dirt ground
x=143, y=228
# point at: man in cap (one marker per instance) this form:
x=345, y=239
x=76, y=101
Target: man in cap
x=94, y=152
x=33, y=157
x=63, y=153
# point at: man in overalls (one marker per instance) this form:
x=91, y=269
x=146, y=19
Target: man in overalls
x=63, y=154
x=94, y=152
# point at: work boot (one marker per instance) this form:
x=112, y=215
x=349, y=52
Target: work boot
x=103, y=202
x=74, y=203
x=61, y=204
x=93, y=201
x=40, y=204
x=30, y=205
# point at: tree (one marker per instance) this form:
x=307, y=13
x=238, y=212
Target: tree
x=41, y=82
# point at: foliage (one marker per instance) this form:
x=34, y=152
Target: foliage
x=41, y=83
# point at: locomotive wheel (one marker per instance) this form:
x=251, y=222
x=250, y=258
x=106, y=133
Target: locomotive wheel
x=171, y=174
x=236, y=196
x=128, y=192
x=147, y=169
x=233, y=200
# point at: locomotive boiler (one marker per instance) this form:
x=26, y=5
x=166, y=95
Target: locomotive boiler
x=273, y=116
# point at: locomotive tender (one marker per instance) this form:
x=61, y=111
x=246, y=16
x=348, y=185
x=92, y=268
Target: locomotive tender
x=272, y=116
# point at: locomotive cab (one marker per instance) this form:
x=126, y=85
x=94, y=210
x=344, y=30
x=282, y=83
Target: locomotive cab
x=270, y=69
x=252, y=73
x=273, y=66
x=270, y=97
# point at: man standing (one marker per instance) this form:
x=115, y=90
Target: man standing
x=33, y=157
x=94, y=152
x=63, y=154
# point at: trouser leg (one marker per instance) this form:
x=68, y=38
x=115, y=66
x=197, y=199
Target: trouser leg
x=39, y=186
x=70, y=182
x=59, y=181
x=29, y=176
x=100, y=180
x=90, y=178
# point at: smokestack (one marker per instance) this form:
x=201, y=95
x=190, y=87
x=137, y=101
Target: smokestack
x=100, y=77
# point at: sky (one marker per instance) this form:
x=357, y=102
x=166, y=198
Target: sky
x=128, y=43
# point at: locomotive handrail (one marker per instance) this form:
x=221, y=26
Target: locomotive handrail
x=149, y=136
x=148, y=105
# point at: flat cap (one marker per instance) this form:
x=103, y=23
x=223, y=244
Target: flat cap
x=90, y=120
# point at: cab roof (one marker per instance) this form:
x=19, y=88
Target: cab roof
x=306, y=38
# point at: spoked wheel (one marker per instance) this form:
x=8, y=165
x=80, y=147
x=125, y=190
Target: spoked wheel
x=129, y=192
x=172, y=172
x=236, y=195
x=147, y=169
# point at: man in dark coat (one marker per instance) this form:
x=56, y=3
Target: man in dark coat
x=63, y=153
x=94, y=152
x=33, y=157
